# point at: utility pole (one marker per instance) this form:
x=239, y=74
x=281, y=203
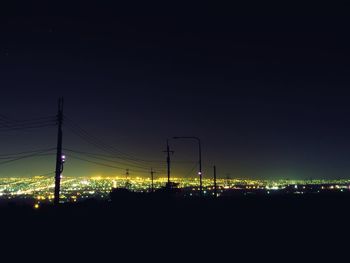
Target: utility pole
x=59, y=157
x=168, y=161
x=127, y=183
x=152, y=179
x=200, y=167
x=215, y=185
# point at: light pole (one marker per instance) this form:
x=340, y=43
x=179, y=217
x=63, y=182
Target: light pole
x=200, y=173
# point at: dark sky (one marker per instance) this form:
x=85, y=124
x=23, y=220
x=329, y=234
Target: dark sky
x=267, y=92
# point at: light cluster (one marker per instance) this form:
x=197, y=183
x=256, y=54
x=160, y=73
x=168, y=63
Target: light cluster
x=81, y=188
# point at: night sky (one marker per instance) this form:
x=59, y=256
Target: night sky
x=268, y=94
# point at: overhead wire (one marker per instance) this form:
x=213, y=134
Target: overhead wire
x=105, y=158
x=107, y=165
x=27, y=152
x=115, y=155
x=191, y=171
x=7, y=124
x=107, y=148
x=43, y=153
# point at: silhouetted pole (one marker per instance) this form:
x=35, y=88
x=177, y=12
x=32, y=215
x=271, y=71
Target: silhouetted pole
x=59, y=161
x=200, y=173
x=168, y=160
x=215, y=185
x=200, y=167
x=127, y=179
x=152, y=180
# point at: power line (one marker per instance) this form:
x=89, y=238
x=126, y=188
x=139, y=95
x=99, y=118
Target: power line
x=107, y=147
x=28, y=152
x=8, y=120
x=97, y=156
x=42, y=125
x=107, y=165
x=108, y=150
x=191, y=171
x=108, y=160
x=25, y=157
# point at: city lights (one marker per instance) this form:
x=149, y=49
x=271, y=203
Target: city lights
x=75, y=189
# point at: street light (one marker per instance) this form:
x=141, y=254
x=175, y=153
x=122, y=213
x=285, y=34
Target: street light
x=200, y=173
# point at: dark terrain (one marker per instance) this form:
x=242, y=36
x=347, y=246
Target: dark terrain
x=143, y=227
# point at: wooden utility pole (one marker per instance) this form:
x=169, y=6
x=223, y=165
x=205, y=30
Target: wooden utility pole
x=215, y=185
x=152, y=180
x=59, y=161
x=168, y=161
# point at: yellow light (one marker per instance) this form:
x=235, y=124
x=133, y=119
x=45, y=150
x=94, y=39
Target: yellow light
x=36, y=206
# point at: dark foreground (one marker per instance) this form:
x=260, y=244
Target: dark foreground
x=239, y=229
